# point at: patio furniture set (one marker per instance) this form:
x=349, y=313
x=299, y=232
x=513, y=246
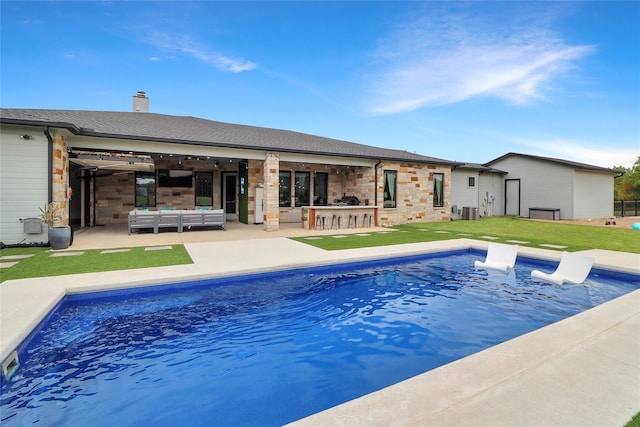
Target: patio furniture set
x=178, y=219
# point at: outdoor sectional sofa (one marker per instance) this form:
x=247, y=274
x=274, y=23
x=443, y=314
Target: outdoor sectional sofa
x=178, y=219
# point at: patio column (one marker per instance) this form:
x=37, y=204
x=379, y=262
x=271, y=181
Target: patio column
x=271, y=192
x=60, y=178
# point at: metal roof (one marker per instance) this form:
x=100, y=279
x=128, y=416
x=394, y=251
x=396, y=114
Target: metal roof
x=574, y=165
x=197, y=131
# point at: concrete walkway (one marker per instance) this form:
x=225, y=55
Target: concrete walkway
x=583, y=371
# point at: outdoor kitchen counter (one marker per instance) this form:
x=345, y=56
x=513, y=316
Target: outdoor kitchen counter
x=339, y=216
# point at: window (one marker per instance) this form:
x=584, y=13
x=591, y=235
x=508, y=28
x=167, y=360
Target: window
x=145, y=189
x=175, y=178
x=472, y=182
x=303, y=188
x=204, y=188
x=438, y=190
x=390, y=187
x=320, y=188
x=285, y=189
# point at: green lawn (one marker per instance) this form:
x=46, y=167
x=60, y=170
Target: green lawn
x=634, y=422
x=42, y=264
x=574, y=237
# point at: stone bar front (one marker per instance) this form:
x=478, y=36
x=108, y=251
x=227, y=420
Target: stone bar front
x=339, y=217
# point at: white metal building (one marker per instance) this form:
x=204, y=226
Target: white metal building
x=572, y=190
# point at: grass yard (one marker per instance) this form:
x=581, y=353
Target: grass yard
x=574, y=237
x=634, y=422
x=502, y=229
x=42, y=264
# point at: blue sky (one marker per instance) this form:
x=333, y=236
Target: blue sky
x=464, y=81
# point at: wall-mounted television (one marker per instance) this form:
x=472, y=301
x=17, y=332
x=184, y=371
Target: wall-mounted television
x=175, y=178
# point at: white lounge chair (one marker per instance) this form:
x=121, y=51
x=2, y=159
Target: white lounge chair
x=499, y=257
x=573, y=268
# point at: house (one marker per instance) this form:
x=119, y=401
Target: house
x=534, y=187
x=99, y=165
x=474, y=190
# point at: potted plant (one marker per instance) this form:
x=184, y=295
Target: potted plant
x=59, y=235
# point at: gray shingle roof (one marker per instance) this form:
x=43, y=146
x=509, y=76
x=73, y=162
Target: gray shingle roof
x=569, y=163
x=196, y=131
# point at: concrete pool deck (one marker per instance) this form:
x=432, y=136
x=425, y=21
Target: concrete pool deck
x=584, y=370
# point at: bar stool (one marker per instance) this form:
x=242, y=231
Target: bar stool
x=354, y=218
x=320, y=222
x=366, y=217
x=335, y=219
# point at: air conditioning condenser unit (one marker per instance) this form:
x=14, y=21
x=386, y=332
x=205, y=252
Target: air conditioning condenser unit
x=470, y=213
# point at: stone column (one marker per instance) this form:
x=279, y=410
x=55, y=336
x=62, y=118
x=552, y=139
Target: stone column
x=256, y=178
x=271, y=192
x=60, y=178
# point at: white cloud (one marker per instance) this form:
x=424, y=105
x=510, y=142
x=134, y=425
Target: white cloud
x=599, y=155
x=191, y=48
x=442, y=58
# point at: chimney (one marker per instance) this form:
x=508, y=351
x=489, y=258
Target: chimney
x=140, y=102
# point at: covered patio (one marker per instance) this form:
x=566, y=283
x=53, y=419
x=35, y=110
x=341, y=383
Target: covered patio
x=251, y=187
x=115, y=235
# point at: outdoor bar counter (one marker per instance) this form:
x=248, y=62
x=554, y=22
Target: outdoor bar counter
x=339, y=216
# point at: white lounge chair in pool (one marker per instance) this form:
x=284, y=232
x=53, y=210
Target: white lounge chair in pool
x=573, y=268
x=499, y=257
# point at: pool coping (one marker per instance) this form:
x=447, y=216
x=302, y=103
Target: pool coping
x=450, y=395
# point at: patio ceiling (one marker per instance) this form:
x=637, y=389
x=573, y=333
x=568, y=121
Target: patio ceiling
x=112, y=161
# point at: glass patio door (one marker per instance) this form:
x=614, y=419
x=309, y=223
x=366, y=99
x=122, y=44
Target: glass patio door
x=230, y=196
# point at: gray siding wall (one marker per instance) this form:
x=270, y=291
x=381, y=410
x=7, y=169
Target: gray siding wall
x=493, y=184
x=461, y=194
x=543, y=184
x=24, y=176
x=593, y=195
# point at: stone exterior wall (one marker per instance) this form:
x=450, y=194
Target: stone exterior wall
x=414, y=197
x=116, y=192
x=359, y=182
x=414, y=194
x=342, y=181
x=414, y=190
x=114, y=197
x=185, y=197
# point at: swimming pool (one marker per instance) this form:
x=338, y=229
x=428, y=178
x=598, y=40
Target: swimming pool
x=271, y=348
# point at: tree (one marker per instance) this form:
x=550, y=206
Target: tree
x=627, y=187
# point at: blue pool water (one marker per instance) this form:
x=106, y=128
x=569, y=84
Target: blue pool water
x=263, y=350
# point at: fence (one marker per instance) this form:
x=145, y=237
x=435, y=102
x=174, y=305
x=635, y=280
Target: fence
x=623, y=208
